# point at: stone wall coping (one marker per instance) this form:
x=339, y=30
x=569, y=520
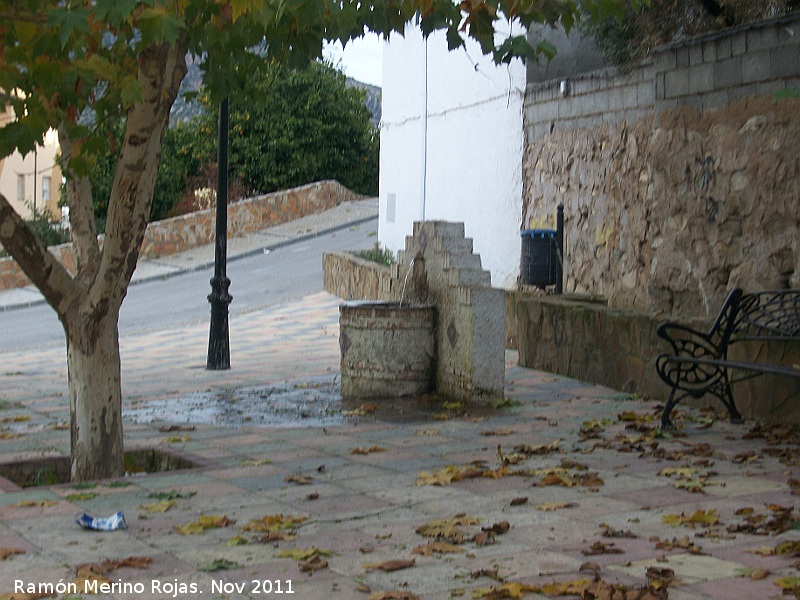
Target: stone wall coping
x=600, y=304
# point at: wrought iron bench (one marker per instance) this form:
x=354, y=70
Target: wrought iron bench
x=698, y=363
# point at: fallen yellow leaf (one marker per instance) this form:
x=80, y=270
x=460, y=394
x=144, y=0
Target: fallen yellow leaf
x=274, y=523
x=369, y=450
x=161, y=506
x=256, y=463
x=203, y=523
x=314, y=563
x=437, y=548
x=304, y=553
x=6, y=552
x=298, y=479
x=32, y=503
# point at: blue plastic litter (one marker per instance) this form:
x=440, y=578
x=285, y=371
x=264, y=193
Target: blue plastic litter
x=112, y=523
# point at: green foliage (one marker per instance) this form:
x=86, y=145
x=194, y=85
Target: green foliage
x=788, y=94
x=287, y=129
x=182, y=157
x=382, y=256
x=303, y=126
x=657, y=22
x=49, y=231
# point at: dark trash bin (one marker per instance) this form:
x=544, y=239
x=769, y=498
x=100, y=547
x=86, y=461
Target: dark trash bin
x=539, y=261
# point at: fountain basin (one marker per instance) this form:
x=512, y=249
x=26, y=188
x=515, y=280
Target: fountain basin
x=388, y=349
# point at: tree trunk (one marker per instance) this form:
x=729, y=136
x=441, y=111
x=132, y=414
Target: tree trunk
x=88, y=304
x=95, y=398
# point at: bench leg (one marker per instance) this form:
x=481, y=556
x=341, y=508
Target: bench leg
x=736, y=418
x=666, y=424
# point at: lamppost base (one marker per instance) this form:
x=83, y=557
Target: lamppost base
x=219, y=350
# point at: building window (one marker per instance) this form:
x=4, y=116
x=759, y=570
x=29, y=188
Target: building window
x=45, y=189
x=21, y=188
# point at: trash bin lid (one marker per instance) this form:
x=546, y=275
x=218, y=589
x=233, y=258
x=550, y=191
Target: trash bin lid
x=538, y=233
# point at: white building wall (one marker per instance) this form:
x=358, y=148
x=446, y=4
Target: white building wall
x=459, y=160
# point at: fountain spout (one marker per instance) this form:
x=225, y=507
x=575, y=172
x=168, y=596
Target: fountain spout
x=405, y=282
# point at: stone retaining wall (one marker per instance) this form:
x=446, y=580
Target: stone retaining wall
x=680, y=178
x=177, y=234
x=618, y=348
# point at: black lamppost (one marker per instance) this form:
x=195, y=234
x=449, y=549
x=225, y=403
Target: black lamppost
x=219, y=352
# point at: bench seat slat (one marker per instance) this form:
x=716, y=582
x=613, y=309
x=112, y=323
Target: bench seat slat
x=771, y=368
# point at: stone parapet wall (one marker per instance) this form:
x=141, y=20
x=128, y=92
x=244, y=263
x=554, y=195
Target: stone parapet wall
x=177, y=234
x=591, y=99
x=680, y=179
x=254, y=214
x=712, y=71
x=618, y=349
x=352, y=278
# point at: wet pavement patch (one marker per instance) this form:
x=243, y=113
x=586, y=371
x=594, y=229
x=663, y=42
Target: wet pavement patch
x=312, y=403
x=56, y=469
x=315, y=403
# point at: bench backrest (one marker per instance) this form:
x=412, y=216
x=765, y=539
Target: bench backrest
x=769, y=315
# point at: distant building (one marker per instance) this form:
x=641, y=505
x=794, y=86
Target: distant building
x=32, y=181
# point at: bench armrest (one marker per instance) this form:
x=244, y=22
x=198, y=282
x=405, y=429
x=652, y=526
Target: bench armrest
x=688, y=342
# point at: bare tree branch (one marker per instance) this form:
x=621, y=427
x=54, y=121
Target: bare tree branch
x=81, y=216
x=161, y=70
x=49, y=275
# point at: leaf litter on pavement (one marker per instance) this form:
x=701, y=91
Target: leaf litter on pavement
x=641, y=439
x=462, y=533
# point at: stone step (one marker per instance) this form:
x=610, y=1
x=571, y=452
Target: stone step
x=444, y=261
x=440, y=228
x=449, y=244
x=469, y=278
x=461, y=261
x=453, y=245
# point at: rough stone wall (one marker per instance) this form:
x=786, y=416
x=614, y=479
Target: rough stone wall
x=195, y=229
x=667, y=219
x=189, y=231
x=353, y=278
x=681, y=177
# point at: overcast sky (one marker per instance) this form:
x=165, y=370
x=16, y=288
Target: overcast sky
x=361, y=60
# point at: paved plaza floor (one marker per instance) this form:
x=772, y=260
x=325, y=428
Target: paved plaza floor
x=563, y=482
x=559, y=489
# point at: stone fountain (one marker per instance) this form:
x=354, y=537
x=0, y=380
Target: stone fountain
x=439, y=326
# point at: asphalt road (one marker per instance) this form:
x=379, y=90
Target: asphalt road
x=257, y=281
